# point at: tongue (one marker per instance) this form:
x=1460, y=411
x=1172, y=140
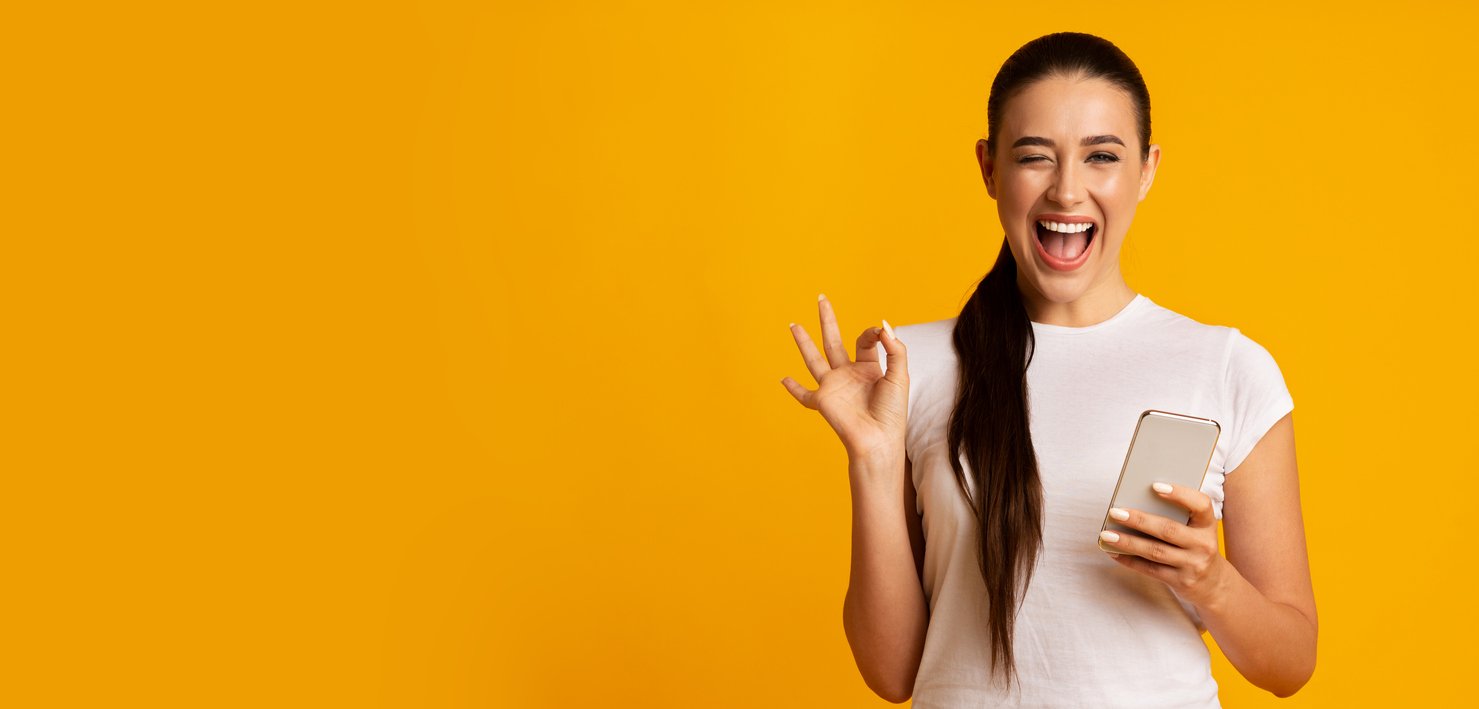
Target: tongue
x=1065, y=246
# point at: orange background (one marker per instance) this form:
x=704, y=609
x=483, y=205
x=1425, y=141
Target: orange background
x=428, y=355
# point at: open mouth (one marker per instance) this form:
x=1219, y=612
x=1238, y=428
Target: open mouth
x=1066, y=242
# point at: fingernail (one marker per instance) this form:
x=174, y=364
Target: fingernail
x=791, y=325
x=821, y=297
x=1161, y=487
x=889, y=330
x=1109, y=536
x=1118, y=513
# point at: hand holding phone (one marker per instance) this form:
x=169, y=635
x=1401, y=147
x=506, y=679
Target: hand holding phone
x=1165, y=447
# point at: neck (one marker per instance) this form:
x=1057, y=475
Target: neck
x=1097, y=304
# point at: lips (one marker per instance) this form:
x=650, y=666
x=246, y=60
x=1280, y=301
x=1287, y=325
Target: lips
x=1060, y=251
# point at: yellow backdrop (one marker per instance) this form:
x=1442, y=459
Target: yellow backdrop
x=428, y=355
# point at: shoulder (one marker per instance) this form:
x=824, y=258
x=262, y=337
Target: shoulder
x=1248, y=370
x=1246, y=359
x=930, y=344
x=1174, y=324
x=927, y=334
x=1238, y=354
x=1174, y=335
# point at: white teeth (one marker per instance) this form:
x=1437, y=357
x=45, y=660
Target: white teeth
x=1062, y=228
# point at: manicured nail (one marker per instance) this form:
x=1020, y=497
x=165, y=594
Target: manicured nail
x=1161, y=487
x=1118, y=513
x=1109, y=536
x=889, y=330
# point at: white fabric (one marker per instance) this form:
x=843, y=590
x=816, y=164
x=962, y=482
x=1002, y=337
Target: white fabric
x=1090, y=633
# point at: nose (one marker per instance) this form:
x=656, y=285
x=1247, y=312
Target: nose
x=1066, y=189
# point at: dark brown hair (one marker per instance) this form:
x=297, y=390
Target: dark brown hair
x=994, y=342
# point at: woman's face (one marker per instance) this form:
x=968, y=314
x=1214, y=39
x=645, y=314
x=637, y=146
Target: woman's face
x=1068, y=152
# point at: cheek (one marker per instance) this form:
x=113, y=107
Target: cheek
x=1021, y=190
x=1117, y=193
x=1117, y=182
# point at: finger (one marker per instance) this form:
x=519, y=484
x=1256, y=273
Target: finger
x=1159, y=552
x=1195, y=501
x=897, y=370
x=831, y=335
x=815, y=363
x=1149, y=568
x=1164, y=528
x=806, y=396
x=867, y=344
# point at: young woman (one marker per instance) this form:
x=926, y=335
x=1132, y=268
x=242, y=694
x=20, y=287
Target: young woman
x=977, y=578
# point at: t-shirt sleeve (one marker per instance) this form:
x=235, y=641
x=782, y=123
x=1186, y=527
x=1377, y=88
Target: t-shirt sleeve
x=1258, y=397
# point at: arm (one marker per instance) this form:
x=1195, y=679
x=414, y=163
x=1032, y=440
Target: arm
x=885, y=614
x=1263, y=617
x=1257, y=602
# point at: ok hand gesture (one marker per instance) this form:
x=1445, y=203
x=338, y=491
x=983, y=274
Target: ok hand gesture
x=864, y=405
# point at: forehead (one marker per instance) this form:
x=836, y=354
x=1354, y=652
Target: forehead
x=1068, y=109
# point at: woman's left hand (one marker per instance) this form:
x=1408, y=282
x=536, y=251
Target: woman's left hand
x=1187, y=557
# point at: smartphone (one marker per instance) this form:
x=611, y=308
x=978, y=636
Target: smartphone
x=1166, y=447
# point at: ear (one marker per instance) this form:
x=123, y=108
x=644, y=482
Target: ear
x=988, y=167
x=1147, y=170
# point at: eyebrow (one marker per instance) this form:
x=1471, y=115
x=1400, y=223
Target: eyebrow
x=1091, y=140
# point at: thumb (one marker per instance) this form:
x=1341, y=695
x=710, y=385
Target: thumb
x=895, y=359
x=1204, y=514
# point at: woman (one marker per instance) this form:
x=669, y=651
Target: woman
x=977, y=579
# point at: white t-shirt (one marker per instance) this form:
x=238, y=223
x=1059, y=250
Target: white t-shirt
x=1090, y=632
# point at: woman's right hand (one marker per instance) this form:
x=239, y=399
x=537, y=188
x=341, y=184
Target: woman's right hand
x=867, y=407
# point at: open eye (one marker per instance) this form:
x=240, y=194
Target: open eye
x=1111, y=157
